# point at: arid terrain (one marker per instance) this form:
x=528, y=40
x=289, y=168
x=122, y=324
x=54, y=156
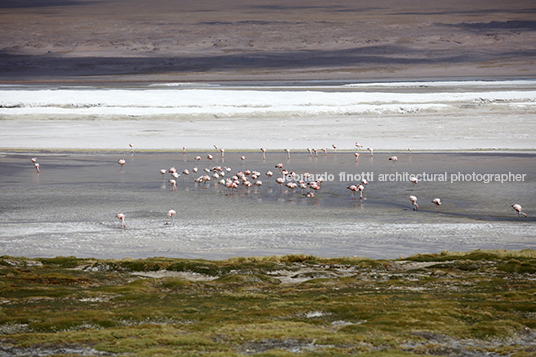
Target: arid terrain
x=165, y=40
x=473, y=304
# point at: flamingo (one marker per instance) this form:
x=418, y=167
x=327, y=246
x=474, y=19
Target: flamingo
x=360, y=188
x=216, y=147
x=195, y=169
x=409, y=149
x=37, y=167
x=309, y=194
x=171, y=213
x=393, y=159
x=414, y=180
x=184, y=150
x=371, y=151
x=414, y=204
x=198, y=158
x=356, y=154
x=437, y=202
x=131, y=149
x=518, y=208
x=121, y=162
x=263, y=153
x=173, y=185
x=121, y=217
x=163, y=171
x=34, y=159
x=357, y=145
x=269, y=173
x=334, y=148
x=310, y=152
x=172, y=169
x=288, y=153
x=210, y=157
x=316, y=152
x=325, y=151
x=280, y=181
x=242, y=158
x=353, y=189
x=222, y=150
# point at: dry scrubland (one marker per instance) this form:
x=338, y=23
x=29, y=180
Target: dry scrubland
x=479, y=303
x=166, y=40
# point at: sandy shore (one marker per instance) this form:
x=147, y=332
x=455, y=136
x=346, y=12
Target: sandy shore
x=238, y=41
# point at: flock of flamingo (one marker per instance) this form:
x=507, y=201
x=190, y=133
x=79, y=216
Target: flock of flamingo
x=242, y=178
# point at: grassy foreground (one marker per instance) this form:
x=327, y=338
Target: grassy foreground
x=479, y=303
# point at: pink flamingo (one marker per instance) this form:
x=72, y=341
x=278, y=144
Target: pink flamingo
x=357, y=145
x=310, y=152
x=222, y=151
x=131, y=149
x=242, y=158
x=334, y=148
x=325, y=151
x=353, y=189
x=216, y=147
x=288, y=153
x=371, y=151
x=263, y=153
x=414, y=180
x=393, y=159
x=409, y=149
x=184, y=150
x=360, y=188
x=316, y=152
x=173, y=185
x=414, y=204
x=34, y=159
x=518, y=208
x=437, y=202
x=171, y=213
x=280, y=181
x=37, y=167
x=210, y=157
x=163, y=171
x=121, y=162
x=356, y=154
x=121, y=217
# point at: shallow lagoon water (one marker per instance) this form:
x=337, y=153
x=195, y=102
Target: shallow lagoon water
x=69, y=207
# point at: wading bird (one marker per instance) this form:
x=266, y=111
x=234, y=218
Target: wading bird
x=263, y=153
x=414, y=204
x=37, y=167
x=371, y=151
x=414, y=180
x=518, y=208
x=356, y=154
x=437, y=202
x=171, y=213
x=121, y=218
x=288, y=153
x=393, y=159
x=121, y=162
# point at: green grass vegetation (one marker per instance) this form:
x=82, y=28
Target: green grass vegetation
x=449, y=304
